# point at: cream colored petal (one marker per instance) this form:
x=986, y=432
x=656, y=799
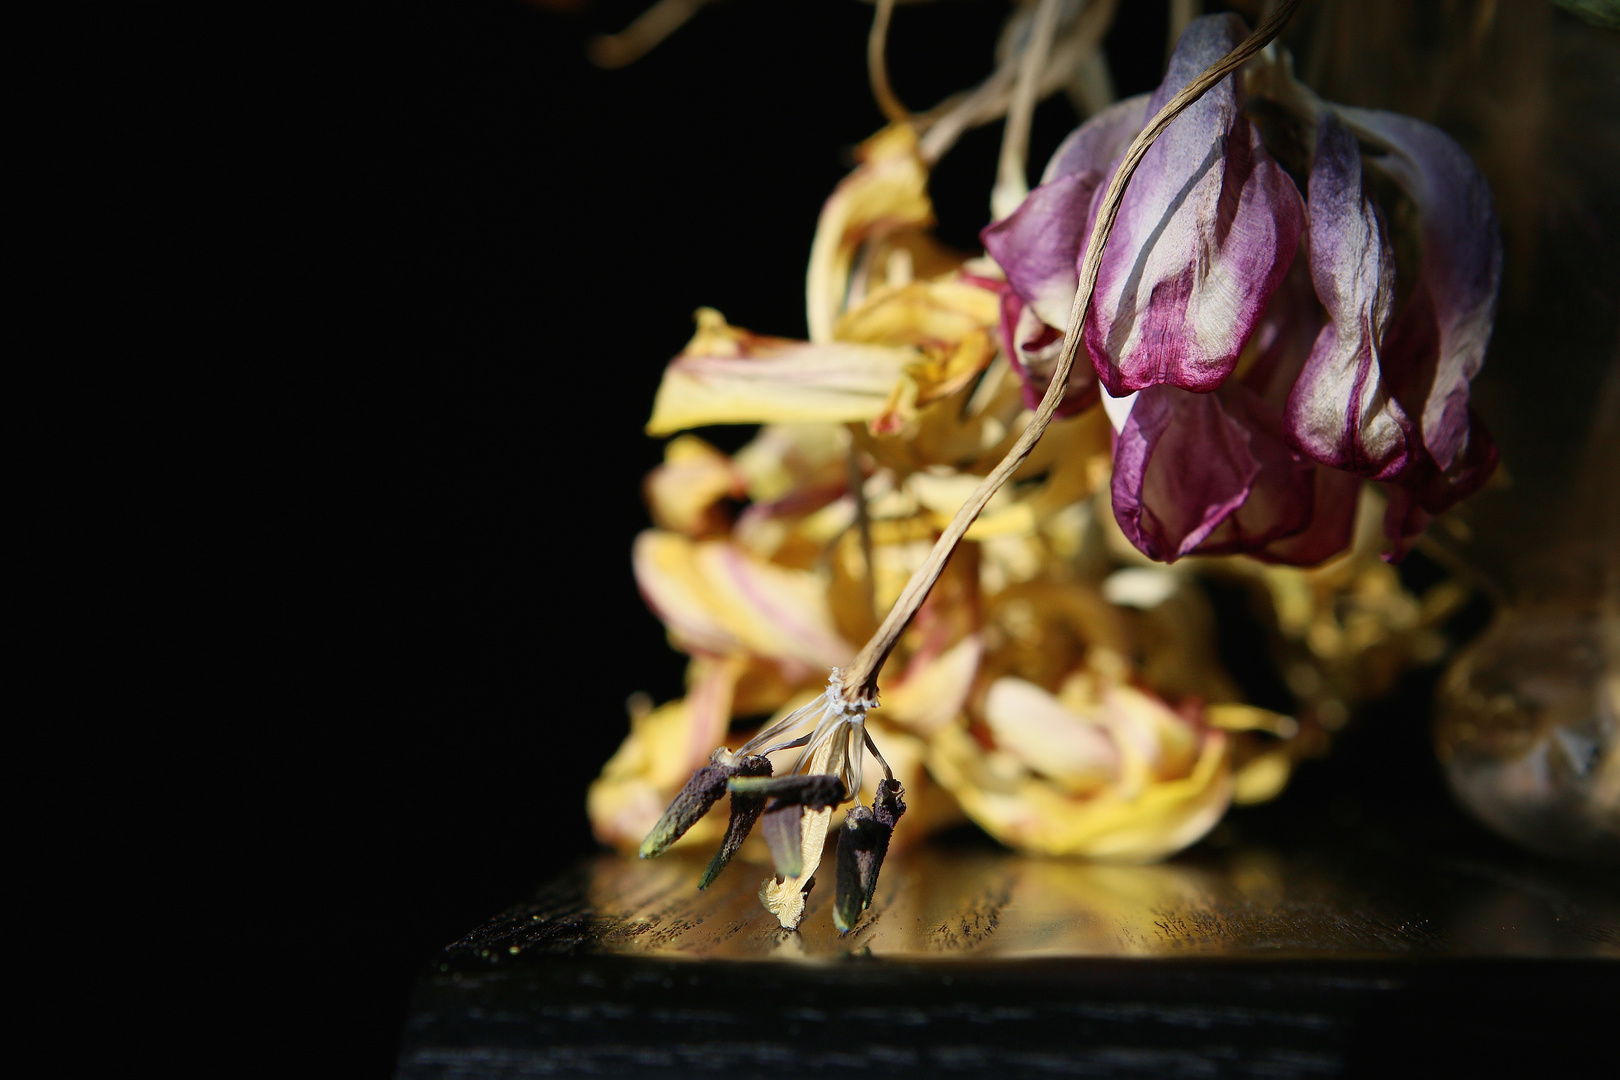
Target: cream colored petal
x=771, y=610
x=785, y=897
x=934, y=695
x=887, y=192
x=829, y=383
x=715, y=597
x=666, y=572
x=1152, y=738
x=1037, y=817
x=1047, y=739
x=784, y=458
x=683, y=491
x=657, y=757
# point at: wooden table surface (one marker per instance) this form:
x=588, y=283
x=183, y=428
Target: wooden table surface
x=1361, y=953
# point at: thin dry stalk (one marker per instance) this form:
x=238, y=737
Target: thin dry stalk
x=1012, y=169
x=638, y=39
x=946, y=122
x=859, y=680
x=877, y=66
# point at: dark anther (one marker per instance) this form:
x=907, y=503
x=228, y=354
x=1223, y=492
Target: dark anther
x=692, y=802
x=745, y=810
x=861, y=847
x=816, y=790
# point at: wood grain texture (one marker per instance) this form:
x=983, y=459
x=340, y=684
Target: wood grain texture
x=1235, y=961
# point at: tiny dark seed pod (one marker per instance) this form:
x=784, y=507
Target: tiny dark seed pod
x=745, y=811
x=689, y=805
x=862, y=844
x=889, y=802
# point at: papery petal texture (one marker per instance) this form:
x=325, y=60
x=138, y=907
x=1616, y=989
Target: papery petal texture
x=1207, y=229
x=1093, y=146
x=1341, y=410
x=716, y=598
x=1032, y=348
x=1211, y=474
x=1182, y=465
x=727, y=375
x=1040, y=244
x=1438, y=342
x=889, y=191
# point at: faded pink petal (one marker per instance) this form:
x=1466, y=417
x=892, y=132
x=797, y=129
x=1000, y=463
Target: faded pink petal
x=1207, y=229
x=1438, y=343
x=1093, y=146
x=1032, y=349
x=1040, y=244
x=1341, y=411
x=1181, y=466
x=1211, y=474
x=1424, y=490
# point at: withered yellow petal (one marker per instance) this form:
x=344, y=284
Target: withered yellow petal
x=729, y=376
x=1048, y=739
x=933, y=695
x=887, y=192
x=715, y=597
x=682, y=493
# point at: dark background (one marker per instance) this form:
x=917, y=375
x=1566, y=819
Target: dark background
x=459, y=257
x=361, y=313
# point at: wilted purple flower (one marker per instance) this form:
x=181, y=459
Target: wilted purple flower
x=1256, y=362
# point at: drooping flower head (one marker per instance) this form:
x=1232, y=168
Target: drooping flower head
x=1247, y=339
x=1257, y=355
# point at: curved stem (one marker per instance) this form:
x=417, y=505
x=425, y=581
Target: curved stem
x=638, y=39
x=877, y=67
x=860, y=678
x=1012, y=169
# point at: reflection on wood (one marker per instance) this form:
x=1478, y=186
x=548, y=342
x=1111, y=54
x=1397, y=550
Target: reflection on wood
x=938, y=903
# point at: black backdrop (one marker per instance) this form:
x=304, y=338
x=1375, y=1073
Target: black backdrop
x=480, y=253
x=362, y=311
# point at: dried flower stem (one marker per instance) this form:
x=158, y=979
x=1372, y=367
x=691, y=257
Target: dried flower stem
x=859, y=679
x=642, y=35
x=942, y=125
x=1012, y=169
x=877, y=67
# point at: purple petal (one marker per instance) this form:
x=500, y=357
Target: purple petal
x=1211, y=474
x=1282, y=497
x=1095, y=144
x=1207, y=229
x=1032, y=348
x=1341, y=411
x=1039, y=245
x=1181, y=466
x=1438, y=343
x=1424, y=489
x=1332, y=525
